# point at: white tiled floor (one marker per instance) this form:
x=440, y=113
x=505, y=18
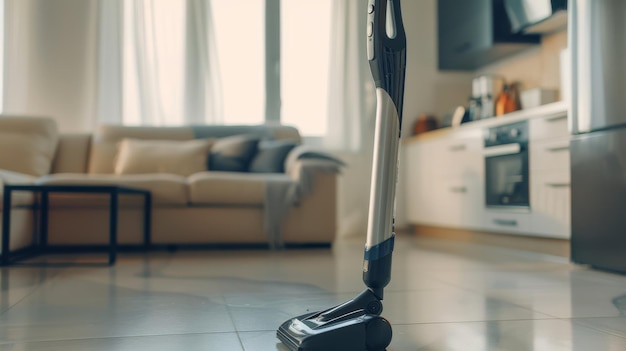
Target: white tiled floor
x=444, y=295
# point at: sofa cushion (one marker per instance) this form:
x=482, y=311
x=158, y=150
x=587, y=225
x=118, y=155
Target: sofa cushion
x=19, y=198
x=233, y=154
x=72, y=154
x=229, y=188
x=162, y=156
x=27, y=144
x=166, y=189
x=106, y=139
x=271, y=156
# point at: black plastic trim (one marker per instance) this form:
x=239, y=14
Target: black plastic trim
x=388, y=58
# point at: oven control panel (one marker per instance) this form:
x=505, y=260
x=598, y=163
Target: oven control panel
x=507, y=134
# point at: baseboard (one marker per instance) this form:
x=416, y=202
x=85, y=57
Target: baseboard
x=60, y=249
x=556, y=247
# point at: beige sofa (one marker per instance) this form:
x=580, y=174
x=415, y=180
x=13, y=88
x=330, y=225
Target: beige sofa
x=208, y=207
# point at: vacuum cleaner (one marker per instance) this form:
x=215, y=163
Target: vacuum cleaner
x=357, y=325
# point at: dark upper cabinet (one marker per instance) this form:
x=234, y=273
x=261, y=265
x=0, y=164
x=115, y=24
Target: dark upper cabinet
x=474, y=33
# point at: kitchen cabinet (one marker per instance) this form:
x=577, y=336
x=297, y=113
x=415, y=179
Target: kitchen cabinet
x=473, y=33
x=502, y=221
x=446, y=177
x=445, y=180
x=550, y=193
x=551, y=203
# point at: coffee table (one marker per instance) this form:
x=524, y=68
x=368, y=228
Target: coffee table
x=44, y=190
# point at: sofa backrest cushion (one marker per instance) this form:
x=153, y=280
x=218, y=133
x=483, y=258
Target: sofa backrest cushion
x=271, y=156
x=72, y=154
x=234, y=153
x=163, y=156
x=106, y=139
x=27, y=144
x=263, y=131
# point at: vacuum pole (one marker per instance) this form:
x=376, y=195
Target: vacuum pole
x=386, y=49
x=357, y=325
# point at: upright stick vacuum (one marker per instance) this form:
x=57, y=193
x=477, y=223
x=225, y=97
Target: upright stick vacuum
x=357, y=325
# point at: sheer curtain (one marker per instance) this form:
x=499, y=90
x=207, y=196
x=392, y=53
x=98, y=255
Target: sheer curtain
x=158, y=63
x=352, y=103
x=203, y=99
x=351, y=114
x=50, y=60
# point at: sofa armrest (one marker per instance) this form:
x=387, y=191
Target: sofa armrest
x=305, y=157
x=305, y=165
x=10, y=177
x=15, y=178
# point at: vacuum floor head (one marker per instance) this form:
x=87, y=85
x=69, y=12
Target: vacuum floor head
x=353, y=333
x=352, y=326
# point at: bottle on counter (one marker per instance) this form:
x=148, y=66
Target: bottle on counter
x=475, y=108
x=505, y=103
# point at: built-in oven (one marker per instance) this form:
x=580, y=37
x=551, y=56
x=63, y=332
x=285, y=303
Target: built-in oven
x=506, y=166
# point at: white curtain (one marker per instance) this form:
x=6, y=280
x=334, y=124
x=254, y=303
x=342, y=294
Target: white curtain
x=50, y=60
x=158, y=63
x=352, y=103
x=203, y=96
x=352, y=113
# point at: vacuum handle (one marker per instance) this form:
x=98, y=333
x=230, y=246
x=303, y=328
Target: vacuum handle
x=386, y=48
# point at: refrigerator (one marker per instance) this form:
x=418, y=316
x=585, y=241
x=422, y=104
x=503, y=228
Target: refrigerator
x=597, y=47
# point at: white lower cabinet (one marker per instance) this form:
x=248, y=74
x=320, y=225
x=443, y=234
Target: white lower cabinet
x=446, y=182
x=462, y=200
x=550, y=199
x=505, y=221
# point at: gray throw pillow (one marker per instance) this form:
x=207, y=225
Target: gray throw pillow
x=233, y=154
x=271, y=155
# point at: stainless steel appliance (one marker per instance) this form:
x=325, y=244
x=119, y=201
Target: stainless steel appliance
x=597, y=36
x=506, y=166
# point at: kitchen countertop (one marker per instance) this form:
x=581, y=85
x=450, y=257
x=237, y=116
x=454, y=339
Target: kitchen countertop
x=554, y=109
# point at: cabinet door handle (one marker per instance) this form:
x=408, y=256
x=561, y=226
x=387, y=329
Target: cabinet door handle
x=558, y=185
x=556, y=117
x=506, y=222
x=557, y=148
x=457, y=148
x=458, y=189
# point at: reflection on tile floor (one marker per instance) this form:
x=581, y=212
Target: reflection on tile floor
x=444, y=295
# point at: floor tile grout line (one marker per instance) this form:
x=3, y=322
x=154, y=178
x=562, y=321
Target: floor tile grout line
x=482, y=293
x=232, y=320
x=117, y=337
x=476, y=321
x=574, y=319
x=34, y=290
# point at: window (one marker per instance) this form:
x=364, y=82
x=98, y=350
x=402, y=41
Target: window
x=249, y=37
x=154, y=54
x=304, y=45
x=239, y=32
x=305, y=61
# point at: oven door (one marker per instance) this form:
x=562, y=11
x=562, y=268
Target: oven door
x=506, y=181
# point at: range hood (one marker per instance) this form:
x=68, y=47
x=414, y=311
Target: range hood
x=537, y=16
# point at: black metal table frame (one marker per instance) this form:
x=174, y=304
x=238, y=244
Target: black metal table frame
x=113, y=192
